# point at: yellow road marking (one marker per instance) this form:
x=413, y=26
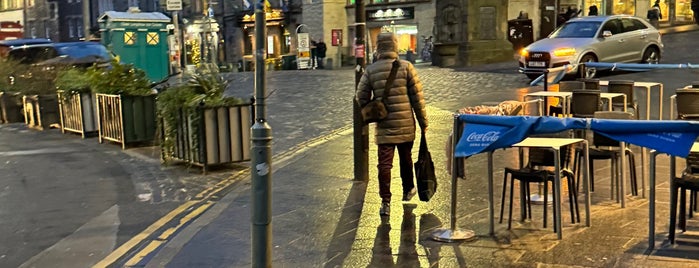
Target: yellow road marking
x=143, y=253
x=123, y=249
x=165, y=235
x=153, y=245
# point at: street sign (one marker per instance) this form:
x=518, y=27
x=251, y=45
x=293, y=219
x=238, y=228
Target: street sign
x=304, y=51
x=174, y=5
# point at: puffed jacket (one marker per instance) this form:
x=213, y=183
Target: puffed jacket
x=405, y=101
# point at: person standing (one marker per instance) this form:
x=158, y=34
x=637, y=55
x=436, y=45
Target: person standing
x=592, y=10
x=314, y=54
x=321, y=48
x=654, y=15
x=405, y=104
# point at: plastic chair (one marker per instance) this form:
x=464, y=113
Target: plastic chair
x=529, y=174
x=590, y=83
x=688, y=181
x=625, y=87
x=687, y=103
x=607, y=149
x=584, y=103
x=565, y=86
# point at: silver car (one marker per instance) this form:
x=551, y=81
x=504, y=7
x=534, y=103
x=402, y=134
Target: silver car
x=615, y=38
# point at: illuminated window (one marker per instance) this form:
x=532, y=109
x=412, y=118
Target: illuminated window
x=152, y=38
x=129, y=38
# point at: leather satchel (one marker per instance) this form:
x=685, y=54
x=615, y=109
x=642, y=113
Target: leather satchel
x=375, y=110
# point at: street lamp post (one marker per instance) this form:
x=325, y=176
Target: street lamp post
x=361, y=130
x=261, y=154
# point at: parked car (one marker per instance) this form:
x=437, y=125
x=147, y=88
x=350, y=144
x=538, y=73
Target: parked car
x=615, y=38
x=42, y=58
x=7, y=45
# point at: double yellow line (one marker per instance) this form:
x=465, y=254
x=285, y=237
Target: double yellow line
x=197, y=208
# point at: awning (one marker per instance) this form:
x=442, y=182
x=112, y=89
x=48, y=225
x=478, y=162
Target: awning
x=484, y=133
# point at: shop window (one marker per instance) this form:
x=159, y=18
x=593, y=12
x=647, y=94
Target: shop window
x=129, y=38
x=627, y=7
x=152, y=38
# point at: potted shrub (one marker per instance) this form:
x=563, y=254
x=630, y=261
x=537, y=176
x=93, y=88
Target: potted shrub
x=201, y=126
x=10, y=99
x=76, y=101
x=39, y=100
x=125, y=104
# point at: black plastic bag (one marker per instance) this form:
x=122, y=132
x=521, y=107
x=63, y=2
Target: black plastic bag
x=424, y=172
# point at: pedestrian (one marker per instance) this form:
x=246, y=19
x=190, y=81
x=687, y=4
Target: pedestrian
x=654, y=15
x=592, y=11
x=321, y=48
x=405, y=104
x=314, y=51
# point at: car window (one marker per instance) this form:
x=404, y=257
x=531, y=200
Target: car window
x=639, y=25
x=577, y=29
x=629, y=25
x=613, y=25
x=83, y=49
x=30, y=55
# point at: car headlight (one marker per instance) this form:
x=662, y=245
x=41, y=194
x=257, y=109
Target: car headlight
x=564, y=52
x=524, y=53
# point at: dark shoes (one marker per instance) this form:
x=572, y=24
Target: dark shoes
x=385, y=209
x=409, y=195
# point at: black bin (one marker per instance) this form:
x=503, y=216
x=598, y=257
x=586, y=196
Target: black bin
x=289, y=62
x=520, y=33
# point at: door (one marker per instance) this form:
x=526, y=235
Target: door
x=612, y=48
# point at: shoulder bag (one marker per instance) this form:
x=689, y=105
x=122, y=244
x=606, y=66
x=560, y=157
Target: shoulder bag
x=424, y=172
x=375, y=110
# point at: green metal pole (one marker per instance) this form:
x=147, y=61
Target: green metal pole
x=361, y=130
x=261, y=154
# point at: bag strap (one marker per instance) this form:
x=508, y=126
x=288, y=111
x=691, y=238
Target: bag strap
x=391, y=77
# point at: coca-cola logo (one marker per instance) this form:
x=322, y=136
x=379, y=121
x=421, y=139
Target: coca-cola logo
x=489, y=136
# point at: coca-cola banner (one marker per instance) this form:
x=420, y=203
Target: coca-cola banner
x=484, y=133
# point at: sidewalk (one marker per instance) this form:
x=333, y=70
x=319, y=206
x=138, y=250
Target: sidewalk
x=322, y=218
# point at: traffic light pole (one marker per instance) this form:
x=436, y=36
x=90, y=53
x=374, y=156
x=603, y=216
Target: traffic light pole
x=361, y=130
x=261, y=153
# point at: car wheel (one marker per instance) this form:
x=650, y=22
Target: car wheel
x=589, y=72
x=651, y=55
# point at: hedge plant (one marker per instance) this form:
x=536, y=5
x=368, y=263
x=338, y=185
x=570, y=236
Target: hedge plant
x=203, y=89
x=119, y=79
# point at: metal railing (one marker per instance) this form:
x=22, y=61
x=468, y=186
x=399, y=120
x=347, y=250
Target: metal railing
x=10, y=108
x=125, y=119
x=77, y=113
x=40, y=111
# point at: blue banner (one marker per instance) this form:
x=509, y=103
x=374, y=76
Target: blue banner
x=484, y=133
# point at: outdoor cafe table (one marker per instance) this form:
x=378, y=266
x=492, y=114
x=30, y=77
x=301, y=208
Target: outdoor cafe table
x=555, y=145
x=651, y=201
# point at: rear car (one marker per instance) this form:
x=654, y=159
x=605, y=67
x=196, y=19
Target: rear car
x=615, y=38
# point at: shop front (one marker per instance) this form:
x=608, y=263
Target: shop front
x=201, y=43
x=674, y=12
x=401, y=21
x=278, y=40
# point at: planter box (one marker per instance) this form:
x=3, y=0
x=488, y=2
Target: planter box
x=78, y=113
x=213, y=136
x=40, y=111
x=10, y=108
x=126, y=119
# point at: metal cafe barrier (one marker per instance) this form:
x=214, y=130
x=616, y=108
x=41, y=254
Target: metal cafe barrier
x=211, y=136
x=126, y=119
x=40, y=111
x=77, y=113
